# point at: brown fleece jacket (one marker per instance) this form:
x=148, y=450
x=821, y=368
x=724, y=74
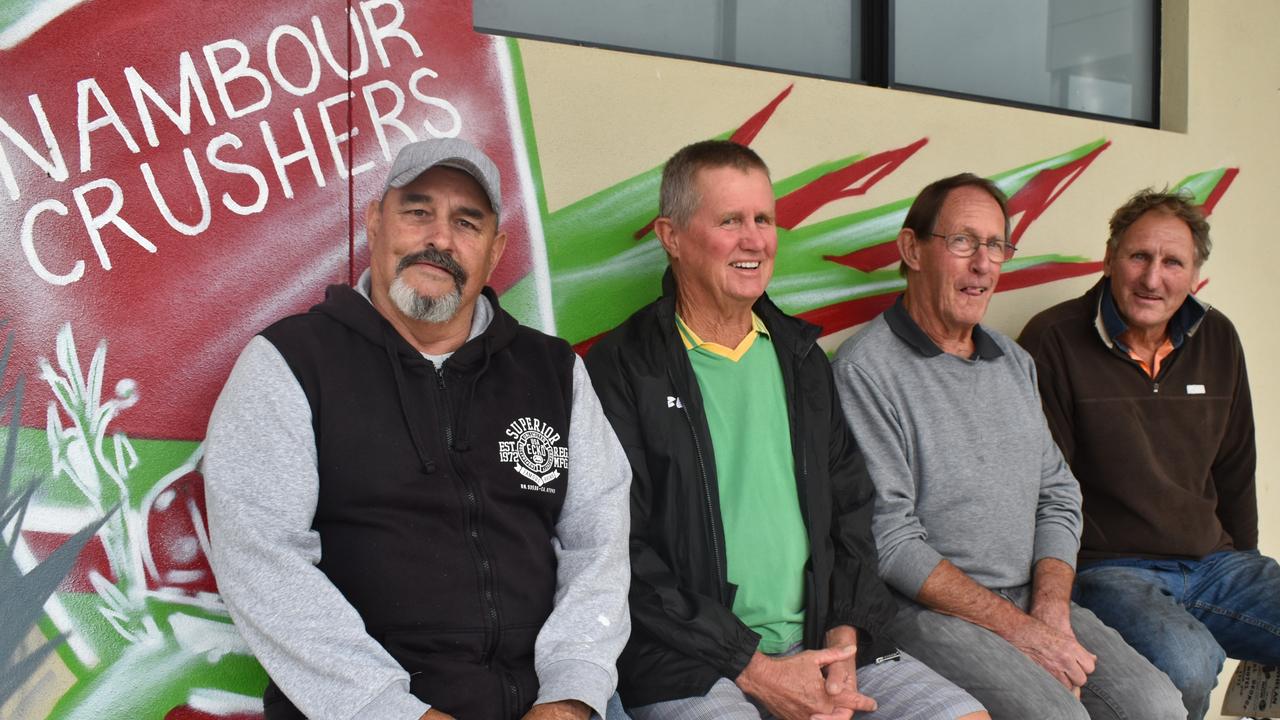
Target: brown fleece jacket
x=1166, y=465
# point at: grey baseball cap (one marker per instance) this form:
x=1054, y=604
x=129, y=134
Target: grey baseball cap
x=419, y=157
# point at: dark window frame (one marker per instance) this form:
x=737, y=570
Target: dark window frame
x=877, y=63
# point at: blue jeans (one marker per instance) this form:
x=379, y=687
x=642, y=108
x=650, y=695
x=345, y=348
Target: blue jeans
x=1188, y=616
x=614, y=710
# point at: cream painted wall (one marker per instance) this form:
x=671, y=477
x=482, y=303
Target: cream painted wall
x=601, y=117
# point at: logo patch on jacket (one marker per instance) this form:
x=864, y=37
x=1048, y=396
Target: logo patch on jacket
x=533, y=452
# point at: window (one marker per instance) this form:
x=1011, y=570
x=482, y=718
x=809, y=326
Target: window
x=1094, y=57
x=813, y=37
x=1097, y=58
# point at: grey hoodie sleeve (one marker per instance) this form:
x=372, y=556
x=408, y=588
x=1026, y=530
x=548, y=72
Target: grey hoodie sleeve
x=578, y=647
x=261, y=485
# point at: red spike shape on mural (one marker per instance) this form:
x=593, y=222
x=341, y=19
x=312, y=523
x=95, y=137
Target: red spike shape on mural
x=1048, y=185
x=850, y=181
x=1029, y=202
x=745, y=133
x=754, y=124
x=1228, y=177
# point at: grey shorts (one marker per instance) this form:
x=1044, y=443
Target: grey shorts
x=904, y=689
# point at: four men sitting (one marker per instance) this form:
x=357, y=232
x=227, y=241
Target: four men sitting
x=894, y=537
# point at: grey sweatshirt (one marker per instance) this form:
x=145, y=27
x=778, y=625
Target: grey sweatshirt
x=963, y=463
x=262, y=483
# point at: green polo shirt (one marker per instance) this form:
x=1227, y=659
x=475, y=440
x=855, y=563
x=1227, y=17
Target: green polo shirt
x=766, y=541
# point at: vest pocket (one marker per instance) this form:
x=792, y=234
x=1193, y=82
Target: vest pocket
x=448, y=668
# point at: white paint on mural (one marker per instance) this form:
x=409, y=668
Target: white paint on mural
x=541, y=269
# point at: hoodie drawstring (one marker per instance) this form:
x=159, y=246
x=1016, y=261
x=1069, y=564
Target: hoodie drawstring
x=461, y=442
x=398, y=372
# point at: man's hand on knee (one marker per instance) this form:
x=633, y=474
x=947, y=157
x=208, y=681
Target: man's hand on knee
x=795, y=687
x=1058, y=653
x=1057, y=615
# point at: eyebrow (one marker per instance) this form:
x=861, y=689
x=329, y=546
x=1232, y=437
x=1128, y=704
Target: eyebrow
x=469, y=211
x=967, y=230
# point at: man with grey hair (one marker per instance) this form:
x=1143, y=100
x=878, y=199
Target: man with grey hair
x=417, y=508
x=1145, y=390
x=977, y=515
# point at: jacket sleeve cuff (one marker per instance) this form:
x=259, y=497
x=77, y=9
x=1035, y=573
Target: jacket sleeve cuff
x=576, y=680
x=908, y=566
x=393, y=702
x=1053, y=541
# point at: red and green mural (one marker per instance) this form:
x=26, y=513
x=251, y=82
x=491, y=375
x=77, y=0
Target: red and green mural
x=175, y=176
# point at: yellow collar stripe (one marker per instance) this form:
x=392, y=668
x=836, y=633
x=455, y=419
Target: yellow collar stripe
x=692, y=341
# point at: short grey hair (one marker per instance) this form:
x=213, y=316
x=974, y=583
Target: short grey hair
x=678, y=199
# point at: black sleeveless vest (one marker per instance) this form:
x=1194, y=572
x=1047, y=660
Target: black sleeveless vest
x=439, y=493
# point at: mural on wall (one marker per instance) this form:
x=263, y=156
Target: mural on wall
x=175, y=180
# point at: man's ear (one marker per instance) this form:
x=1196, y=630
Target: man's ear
x=496, y=249
x=667, y=235
x=373, y=220
x=1107, y=257
x=909, y=248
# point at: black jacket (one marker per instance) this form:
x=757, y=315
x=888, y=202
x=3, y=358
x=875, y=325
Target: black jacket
x=684, y=634
x=429, y=528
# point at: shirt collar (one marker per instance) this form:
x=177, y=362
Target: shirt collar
x=692, y=341
x=902, y=325
x=1182, y=325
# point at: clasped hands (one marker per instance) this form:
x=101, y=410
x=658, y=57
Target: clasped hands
x=1047, y=638
x=810, y=685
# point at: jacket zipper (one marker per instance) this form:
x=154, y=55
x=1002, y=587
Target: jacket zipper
x=473, y=511
x=1164, y=367
x=444, y=403
x=811, y=630
x=721, y=574
x=804, y=456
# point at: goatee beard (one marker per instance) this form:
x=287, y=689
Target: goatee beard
x=425, y=308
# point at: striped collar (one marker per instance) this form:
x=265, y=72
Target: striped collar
x=693, y=342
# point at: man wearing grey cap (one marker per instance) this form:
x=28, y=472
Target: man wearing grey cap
x=416, y=505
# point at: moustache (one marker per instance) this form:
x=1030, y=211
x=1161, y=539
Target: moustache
x=438, y=258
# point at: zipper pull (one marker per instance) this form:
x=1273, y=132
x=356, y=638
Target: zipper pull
x=1155, y=387
x=895, y=655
